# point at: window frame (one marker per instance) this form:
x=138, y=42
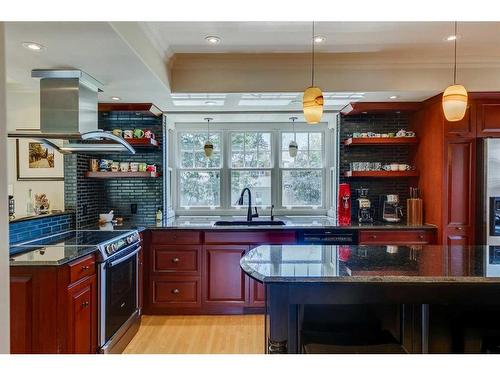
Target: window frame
x=328, y=153
x=230, y=133
x=179, y=169
x=322, y=169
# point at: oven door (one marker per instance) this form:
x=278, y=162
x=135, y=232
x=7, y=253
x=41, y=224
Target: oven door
x=119, y=293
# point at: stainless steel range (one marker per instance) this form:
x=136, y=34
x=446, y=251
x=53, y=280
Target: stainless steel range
x=118, y=282
x=118, y=260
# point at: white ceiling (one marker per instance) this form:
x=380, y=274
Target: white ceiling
x=480, y=39
x=93, y=47
x=100, y=50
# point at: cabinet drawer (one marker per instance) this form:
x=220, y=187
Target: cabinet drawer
x=81, y=268
x=172, y=237
x=180, y=292
x=403, y=237
x=251, y=237
x=170, y=259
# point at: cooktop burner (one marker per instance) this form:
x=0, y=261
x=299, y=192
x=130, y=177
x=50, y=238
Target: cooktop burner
x=78, y=238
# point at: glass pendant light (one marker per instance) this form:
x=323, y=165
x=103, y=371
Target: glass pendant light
x=455, y=96
x=209, y=147
x=293, y=147
x=312, y=102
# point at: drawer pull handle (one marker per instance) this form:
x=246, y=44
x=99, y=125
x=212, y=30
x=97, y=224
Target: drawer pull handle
x=175, y=260
x=421, y=236
x=459, y=228
x=85, y=304
x=85, y=268
x=175, y=291
x=374, y=236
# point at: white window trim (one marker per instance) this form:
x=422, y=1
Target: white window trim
x=329, y=153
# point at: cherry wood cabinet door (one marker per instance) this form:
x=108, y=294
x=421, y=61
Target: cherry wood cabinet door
x=460, y=191
x=82, y=317
x=257, y=293
x=464, y=128
x=21, y=308
x=488, y=118
x=225, y=282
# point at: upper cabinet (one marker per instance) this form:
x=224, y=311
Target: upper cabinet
x=488, y=117
x=464, y=128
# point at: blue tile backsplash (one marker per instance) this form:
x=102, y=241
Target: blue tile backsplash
x=27, y=230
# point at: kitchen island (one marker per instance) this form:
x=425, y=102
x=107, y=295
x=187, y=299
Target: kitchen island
x=415, y=278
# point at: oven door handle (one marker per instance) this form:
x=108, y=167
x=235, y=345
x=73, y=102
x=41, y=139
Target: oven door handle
x=128, y=256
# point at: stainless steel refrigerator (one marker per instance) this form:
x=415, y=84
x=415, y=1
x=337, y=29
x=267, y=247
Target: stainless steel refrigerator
x=491, y=200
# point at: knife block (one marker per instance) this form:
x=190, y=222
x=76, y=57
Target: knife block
x=414, y=211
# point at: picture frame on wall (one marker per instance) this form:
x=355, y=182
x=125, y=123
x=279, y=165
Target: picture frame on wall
x=37, y=162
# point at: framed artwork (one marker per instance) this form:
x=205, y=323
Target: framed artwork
x=35, y=161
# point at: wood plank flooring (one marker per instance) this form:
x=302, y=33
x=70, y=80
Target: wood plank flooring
x=199, y=334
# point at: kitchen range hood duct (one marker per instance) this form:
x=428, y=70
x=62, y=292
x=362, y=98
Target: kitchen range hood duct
x=68, y=112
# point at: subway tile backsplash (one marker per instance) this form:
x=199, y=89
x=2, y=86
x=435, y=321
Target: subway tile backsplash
x=94, y=196
x=27, y=230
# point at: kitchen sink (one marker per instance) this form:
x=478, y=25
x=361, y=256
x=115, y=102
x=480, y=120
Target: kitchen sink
x=249, y=223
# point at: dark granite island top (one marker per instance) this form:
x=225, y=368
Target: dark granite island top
x=415, y=277
x=372, y=264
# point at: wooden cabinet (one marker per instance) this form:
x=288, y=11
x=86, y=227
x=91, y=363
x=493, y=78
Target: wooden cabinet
x=256, y=293
x=488, y=117
x=396, y=237
x=140, y=274
x=176, y=259
x=172, y=294
x=225, y=282
x=54, y=308
x=82, y=317
x=460, y=158
x=463, y=128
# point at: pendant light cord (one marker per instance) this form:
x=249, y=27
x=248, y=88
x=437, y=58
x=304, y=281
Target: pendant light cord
x=455, y=65
x=312, y=57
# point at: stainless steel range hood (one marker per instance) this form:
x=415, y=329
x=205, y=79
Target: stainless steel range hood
x=68, y=112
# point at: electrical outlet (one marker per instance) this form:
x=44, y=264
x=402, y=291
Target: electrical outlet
x=133, y=208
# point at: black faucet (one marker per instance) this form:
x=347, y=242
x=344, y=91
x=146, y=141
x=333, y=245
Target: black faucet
x=249, y=212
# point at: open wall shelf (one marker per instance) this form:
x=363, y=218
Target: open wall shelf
x=114, y=175
x=382, y=141
x=381, y=174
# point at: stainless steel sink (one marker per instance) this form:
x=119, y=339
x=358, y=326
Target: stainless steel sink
x=249, y=223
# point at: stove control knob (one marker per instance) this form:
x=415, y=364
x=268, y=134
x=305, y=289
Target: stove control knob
x=113, y=247
x=130, y=239
x=108, y=249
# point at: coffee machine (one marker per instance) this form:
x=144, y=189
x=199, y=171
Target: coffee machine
x=364, y=206
x=392, y=211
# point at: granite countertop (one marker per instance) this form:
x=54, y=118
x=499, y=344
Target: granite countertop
x=47, y=255
x=291, y=222
x=372, y=264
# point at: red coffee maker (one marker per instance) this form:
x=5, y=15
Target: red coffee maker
x=344, y=205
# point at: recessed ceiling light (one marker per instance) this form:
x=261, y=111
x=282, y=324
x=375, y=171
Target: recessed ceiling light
x=393, y=97
x=115, y=98
x=319, y=39
x=212, y=39
x=451, y=38
x=32, y=46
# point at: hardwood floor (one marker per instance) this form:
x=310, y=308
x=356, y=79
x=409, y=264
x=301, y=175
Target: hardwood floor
x=199, y=334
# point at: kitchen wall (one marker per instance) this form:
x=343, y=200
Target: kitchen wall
x=377, y=123
x=24, y=112
x=4, y=259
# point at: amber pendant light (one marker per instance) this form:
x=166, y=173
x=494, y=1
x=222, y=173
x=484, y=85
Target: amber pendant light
x=293, y=147
x=312, y=102
x=455, y=96
x=209, y=147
